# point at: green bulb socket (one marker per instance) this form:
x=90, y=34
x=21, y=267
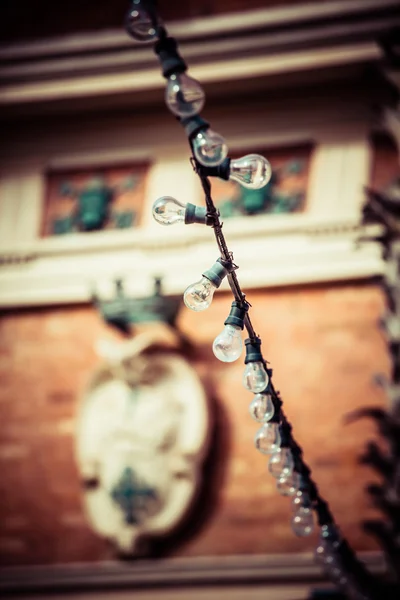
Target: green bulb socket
x=195, y=214
x=253, y=352
x=237, y=315
x=218, y=271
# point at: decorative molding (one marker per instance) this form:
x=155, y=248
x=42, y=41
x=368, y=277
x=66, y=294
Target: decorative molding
x=208, y=72
x=298, y=251
x=203, y=27
x=228, y=571
x=315, y=246
x=274, y=41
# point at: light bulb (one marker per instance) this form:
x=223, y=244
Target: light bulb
x=184, y=95
x=228, y=345
x=168, y=211
x=321, y=553
x=255, y=377
x=262, y=408
x=329, y=542
x=209, y=148
x=301, y=498
x=281, y=463
x=251, y=171
x=288, y=486
x=199, y=295
x=139, y=24
x=303, y=521
x=324, y=554
x=268, y=439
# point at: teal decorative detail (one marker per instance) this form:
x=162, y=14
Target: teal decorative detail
x=122, y=311
x=65, y=225
x=130, y=183
x=93, y=206
x=124, y=219
x=132, y=496
x=254, y=201
x=293, y=167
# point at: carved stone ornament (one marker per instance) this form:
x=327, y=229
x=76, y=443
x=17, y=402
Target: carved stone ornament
x=141, y=436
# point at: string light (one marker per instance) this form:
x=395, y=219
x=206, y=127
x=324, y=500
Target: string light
x=287, y=485
x=185, y=99
x=199, y=295
x=255, y=376
x=228, y=345
x=281, y=463
x=252, y=171
x=262, y=408
x=267, y=439
x=140, y=23
x=302, y=521
x=184, y=95
x=169, y=211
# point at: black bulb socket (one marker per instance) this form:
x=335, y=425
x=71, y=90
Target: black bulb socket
x=193, y=125
x=171, y=61
x=222, y=171
x=304, y=485
x=218, y=271
x=253, y=352
x=237, y=315
x=285, y=436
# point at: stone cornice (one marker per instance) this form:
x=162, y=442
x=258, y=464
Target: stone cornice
x=258, y=43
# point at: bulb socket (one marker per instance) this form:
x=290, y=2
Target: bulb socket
x=285, y=436
x=237, y=315
x=171, y=61
x=253, y=352
x=193, y=125
x=195, y=214
x=218, y=271
x=304, y=484
x=222, y=171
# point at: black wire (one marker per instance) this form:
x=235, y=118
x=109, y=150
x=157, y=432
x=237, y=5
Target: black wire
x=318, y=503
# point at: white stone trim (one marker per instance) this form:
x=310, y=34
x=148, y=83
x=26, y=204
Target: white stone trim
x=199, y=27
x=207, y=72
x=318, y=245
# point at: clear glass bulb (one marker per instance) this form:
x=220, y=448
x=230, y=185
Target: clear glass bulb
x=301, y=498
x=184, y=95
x=303, y=521
x=139, y=24
x=262, y=408
x=255, y=377
x=281, y=463
x=251, y=171
x=268, y=439
x=329, y=542
x=321, y=553
x=199, y=295
x=228, y=345
x=209, y=148
x=288, y=486
x=168, y=211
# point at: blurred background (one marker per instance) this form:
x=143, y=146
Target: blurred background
x=114, y=410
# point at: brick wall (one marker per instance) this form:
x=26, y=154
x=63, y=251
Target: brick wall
x=324, y=346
